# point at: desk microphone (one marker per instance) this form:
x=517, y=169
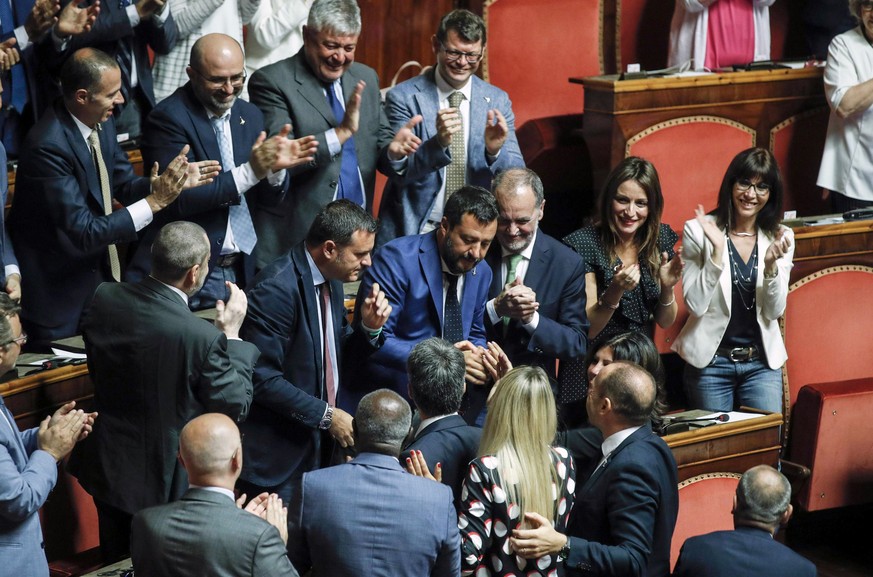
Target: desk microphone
x=722, y=418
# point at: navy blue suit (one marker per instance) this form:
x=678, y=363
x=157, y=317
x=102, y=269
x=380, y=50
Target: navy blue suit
x=557, y=274
x=452, y=442
x=623, y=519
x=746, y=551
x=181, y=119
x=7, y=255
x=408, y=270
x=281, y=433
x=58, y=224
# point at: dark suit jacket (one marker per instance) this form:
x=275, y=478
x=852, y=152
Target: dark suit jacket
x=155, y=366
x=452, y=442
x=204, y=533
x=408, y=270
x=111, y=28
x=181, y=119
x=27, y=476
x=408, y=198
x=557, y=274
x=7, y=255
x=281, y=433
x=57, y=222
x=623, y=519
x=370, y=517
x=745, y=551
x=288, y=92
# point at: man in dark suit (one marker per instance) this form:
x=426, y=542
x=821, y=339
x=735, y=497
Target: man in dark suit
x=623, y=519
x=155, y=366
x=126, y=30
x=30, y=462
x=536, y=311
x=323, y=92
x=205, y=532
x=62, y=221
x=761, y=506
x=436, y=386
x=208, y=113
x=416, y=273
x=481, y=126
x=298, y=322
x=370, y=517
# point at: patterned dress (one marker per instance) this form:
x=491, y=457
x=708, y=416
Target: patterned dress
x=486, y=520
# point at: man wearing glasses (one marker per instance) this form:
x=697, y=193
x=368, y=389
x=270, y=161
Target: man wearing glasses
x=467, y=133
x=208, y=113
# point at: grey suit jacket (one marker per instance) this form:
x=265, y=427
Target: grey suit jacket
x=288, y=92
x=27, y=475
x=370, y=517
x=409, y=197
x=155, y=366
x=205, y=534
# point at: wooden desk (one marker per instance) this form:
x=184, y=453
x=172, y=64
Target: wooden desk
x=730, y=447
x=828, y=245
x=33, y=397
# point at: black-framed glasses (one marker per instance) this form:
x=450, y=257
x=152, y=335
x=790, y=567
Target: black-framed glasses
x=20, y=340
x=761, y=188
x=235, y=81
x=452, y=55
x=867, y=5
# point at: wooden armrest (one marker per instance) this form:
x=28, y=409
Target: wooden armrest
x=795, y=471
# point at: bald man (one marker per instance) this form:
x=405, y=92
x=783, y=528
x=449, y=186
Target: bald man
x=206, y=532
x=369, y=516
x=208, y=113
x=623, y=519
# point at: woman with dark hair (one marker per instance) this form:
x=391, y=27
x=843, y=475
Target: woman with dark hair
x=735, y=284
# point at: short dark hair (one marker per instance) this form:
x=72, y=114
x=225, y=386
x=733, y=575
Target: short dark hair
x=469, y=26
x=382, y=420
x=635, y=347
x=473, y=200
x=763, y=495
x=84, y=70
x=750, y=164
x=436, y=377
x=517, y=177
x=632, y=391
x=338, y=221
x=9, y=307
x=178, y=246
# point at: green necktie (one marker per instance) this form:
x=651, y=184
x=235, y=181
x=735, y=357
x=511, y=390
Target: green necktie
x=511, y=267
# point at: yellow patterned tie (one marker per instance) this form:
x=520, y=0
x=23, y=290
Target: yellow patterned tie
x=456, y=172
x=97, y=154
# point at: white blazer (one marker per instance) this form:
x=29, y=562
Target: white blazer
x=706, y=287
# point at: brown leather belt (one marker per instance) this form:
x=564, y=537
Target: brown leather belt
x=228, y=260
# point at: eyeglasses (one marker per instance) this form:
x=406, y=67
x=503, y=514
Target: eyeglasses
x=21, y=340
x=452, y=55
x=761, y=188
x=235, y=81
x=868, y=5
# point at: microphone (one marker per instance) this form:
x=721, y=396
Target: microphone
x=667, y=422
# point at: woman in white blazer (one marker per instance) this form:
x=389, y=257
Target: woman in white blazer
x=735, y=284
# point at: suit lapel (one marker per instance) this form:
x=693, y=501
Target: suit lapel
x=479, y=106
x=237, y=133
x=428, y=103
x=82, y=151
x=203, y=126
x=310, y=308
x=429, y=260
x=10, y=429
x=338, y=310
x=494, y=258
x=538, y=266
x=598, y=472
x=468, y=304
x=312, y=90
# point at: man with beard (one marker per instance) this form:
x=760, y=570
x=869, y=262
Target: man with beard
x=208, y=113
x=537, y=308
x=156, y=366
x=437, y=284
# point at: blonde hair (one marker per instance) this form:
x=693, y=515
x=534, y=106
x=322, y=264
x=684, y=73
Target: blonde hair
x=518, y=431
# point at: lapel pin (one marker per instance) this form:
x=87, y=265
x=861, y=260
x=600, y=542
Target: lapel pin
x=242, y=120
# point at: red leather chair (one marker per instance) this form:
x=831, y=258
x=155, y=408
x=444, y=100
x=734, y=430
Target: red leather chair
x=828, y=381
x=705, y=505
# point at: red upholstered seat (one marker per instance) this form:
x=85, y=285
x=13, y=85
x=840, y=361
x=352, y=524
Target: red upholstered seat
x=69, y=526
x=705, y=505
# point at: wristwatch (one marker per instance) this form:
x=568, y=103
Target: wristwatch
x=564, y=553
x=327, y=419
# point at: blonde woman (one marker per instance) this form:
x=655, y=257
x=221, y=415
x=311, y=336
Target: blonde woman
x=517, y=471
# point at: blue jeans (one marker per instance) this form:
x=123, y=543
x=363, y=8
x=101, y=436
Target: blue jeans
x=724, y=385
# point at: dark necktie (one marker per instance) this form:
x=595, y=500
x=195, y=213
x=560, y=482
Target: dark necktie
x=453, y=328
x=14, y=84
x=329, y=373
x=350, y=180
x=456, y=171
x=125, y=58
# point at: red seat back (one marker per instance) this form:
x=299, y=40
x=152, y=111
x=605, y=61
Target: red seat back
x=705, y=505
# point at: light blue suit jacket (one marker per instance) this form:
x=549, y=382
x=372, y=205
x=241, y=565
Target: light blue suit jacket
x=370, y=517
x=408, y=270
x=408, y=198
x=27, y=476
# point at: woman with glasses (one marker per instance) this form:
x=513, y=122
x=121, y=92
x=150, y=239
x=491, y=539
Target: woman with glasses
x=735, y=284
x=847, y=161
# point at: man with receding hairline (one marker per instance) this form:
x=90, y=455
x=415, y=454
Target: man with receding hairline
x=155, y=366
x=622, y=522
x=369, y=516
x=207, y=532
x=761, y=506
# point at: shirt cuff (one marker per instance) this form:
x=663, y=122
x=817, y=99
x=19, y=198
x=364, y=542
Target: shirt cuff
x=160, y=16
x=59, y=43
x=244, y=177
x=141, y=214
x=492, y=312
x=132, y=15
x=333, y=144
x=491, y=158
x=11, y=269
x=533, y=324
x=22, y=40
x=399, y=166
x=276, y=178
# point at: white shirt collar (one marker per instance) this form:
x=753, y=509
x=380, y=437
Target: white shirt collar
x=84, y=129
x=425, y=423
x=526, y=253
x=444, y=89
x=317, y=277
x=175, y=290
x=612, y=442
x=221, y=490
